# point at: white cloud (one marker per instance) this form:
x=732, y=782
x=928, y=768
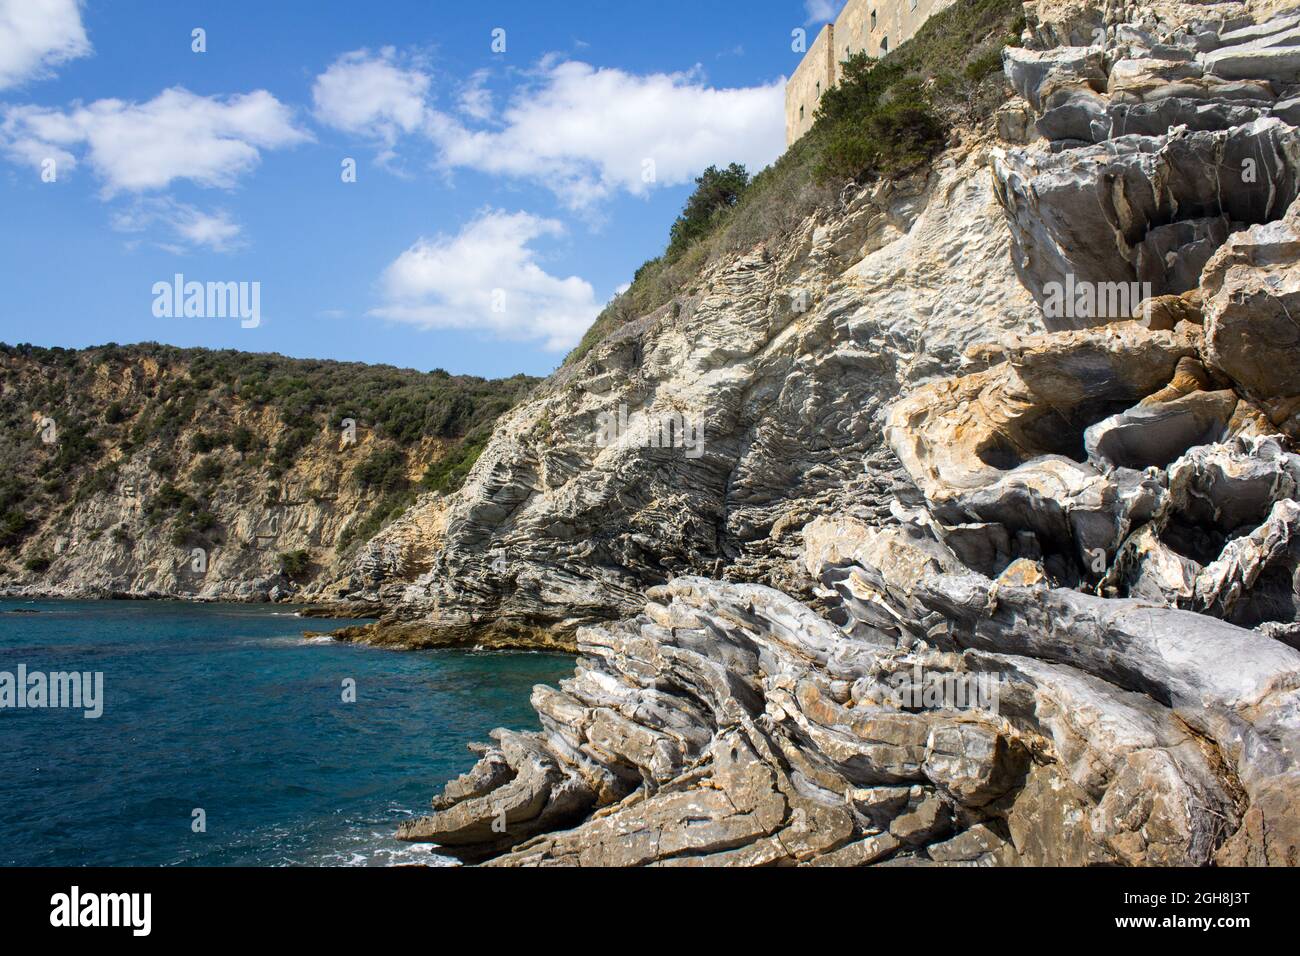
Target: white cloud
x=372, y=96
x=583, y=132
x=179, y=227
x=203, y=229
x=823, y=11
x=586, y=133
x=37, y=35
x=487, y=277
x=475, y=99
x=136, y=147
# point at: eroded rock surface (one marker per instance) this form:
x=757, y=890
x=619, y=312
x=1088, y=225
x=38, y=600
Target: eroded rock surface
x=1056, y=621
x=783, y=358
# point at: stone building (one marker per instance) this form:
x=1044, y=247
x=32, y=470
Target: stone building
x=873, y=27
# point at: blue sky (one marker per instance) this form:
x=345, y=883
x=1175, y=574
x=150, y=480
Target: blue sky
x=501, y=196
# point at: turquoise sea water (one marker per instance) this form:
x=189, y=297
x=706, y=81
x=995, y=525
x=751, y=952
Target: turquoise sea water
x=226, y=708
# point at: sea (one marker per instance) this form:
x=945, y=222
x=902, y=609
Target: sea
x=227, y=738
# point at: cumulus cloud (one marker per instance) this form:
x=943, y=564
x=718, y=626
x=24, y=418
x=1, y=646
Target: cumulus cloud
x=583, y=132
x=586, y=132
x=38, y=35
x=137, y=147
x=372, y=95
x=179, y=227
x=487, y=277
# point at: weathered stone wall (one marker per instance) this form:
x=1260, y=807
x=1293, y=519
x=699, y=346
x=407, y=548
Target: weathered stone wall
x=896, y=21
x=870, y=26
x=803, y=91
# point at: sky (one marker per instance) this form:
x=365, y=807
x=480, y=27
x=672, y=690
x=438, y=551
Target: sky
x=421, y=183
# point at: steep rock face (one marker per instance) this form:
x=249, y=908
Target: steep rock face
x=1252, y=316
x=779, y=362
x=404, y=549
x=729, y=724
x=1072, y=639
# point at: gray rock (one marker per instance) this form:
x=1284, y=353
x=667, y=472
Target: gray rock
x=1079, y=523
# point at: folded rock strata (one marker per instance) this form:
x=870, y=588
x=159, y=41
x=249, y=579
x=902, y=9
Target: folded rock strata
x=1162, y=139
x=782, y=357
x=1058, y=623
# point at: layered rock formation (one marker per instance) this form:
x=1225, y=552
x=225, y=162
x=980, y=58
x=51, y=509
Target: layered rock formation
x=782, y=360
x=1053, y=620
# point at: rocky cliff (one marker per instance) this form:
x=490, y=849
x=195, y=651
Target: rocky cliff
x=989, y=554
x=148, y=471
x=781, y=361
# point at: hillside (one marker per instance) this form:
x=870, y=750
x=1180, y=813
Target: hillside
x=150, y=470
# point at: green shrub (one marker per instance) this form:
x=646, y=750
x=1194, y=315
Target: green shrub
x=203, y=442
x=209, y=471
x=14, y=526
x=243, y=440
x=294, y=564
x=448, y=473
x=887, y=117
x=390, y=508
x=878, y=123
x=286, y=450
x=38, y=565
x=177, y=408
x=99, y=481
x=383, y=470
x=716, y=191
x=167, y=500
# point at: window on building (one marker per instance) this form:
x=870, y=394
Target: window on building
x=873, y=21
x=819, y=87
x=884, y=45
x=801, y=114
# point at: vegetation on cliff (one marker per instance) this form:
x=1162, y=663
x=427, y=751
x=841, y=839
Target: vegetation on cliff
x=208, y=420
x=887, y=117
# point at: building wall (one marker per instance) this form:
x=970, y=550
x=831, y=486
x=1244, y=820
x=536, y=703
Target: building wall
x=896, y=19
x=815, y=75
x=854, y=31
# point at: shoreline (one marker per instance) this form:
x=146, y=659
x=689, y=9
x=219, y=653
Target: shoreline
x=373, y=631
x=342, y=610
x=149, y=653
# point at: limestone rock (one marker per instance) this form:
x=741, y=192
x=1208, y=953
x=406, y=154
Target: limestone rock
x=1038, y=592
x=784, y=356
x=1252, y=334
